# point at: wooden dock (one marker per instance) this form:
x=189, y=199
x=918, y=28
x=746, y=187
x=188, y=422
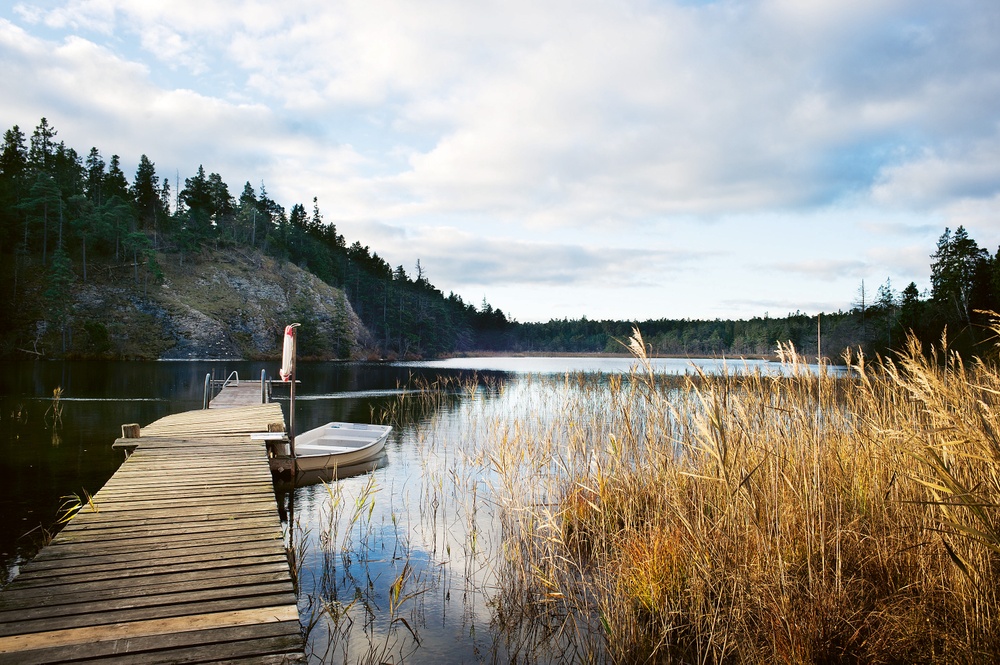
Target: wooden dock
x=243, y=393
x=178, y=558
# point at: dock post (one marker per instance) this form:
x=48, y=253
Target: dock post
x=291, y=419
x=287, y=373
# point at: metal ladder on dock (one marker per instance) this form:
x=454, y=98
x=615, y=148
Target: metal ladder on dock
x=232, y=392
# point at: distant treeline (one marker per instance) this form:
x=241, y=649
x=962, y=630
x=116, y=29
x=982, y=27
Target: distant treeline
x=964, y=293
x=69, y=213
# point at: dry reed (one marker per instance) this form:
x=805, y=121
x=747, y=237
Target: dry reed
x=799, y=516
x=748, y=517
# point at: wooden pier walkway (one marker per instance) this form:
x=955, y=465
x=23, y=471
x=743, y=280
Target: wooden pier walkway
x=179, y=557
x=243, y=393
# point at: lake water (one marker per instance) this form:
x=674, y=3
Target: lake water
x=394, y=564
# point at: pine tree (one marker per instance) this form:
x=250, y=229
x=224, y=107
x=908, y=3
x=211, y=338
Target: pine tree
x=885, y=301
x=13, y=176
x=316, y=221
x=197, y=200
x=247, y=210
x=67, y=169
x=14, y=155
x=58, y=294
x=42, y=204
x=94, y=185
x=115, y=183
x=165, y=199
x=42, y=147
x=84, y=221
x=958, y=261
x=146, y=195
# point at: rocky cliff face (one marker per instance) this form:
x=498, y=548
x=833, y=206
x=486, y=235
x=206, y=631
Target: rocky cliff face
x=217, y=305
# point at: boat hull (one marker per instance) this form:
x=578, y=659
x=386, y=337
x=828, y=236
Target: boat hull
x=338, y=444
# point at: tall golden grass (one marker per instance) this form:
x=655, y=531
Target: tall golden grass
x=755, y=518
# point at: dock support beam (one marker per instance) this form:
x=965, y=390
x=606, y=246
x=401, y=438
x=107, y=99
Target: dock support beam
x=287, y=373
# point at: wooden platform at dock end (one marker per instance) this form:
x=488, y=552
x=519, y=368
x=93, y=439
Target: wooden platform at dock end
x=244, y=393
x=179, y=558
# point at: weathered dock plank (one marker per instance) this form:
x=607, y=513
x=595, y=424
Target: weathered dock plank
x=178, y=558
x=237, y=394
x=170, y=639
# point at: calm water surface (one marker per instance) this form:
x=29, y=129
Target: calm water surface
x=424, y=520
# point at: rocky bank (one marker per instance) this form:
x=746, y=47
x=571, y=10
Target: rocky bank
x=218, y=304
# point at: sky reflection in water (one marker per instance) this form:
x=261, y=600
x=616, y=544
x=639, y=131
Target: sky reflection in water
x=430, y=509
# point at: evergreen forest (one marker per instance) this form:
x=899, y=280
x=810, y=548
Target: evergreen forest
x=65, y=216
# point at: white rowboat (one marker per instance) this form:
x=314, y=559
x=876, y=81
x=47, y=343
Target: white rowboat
x=339, y=444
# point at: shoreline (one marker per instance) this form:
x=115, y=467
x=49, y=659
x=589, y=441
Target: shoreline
x=594, y=354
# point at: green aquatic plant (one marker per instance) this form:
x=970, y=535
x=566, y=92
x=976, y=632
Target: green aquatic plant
x=72, y=504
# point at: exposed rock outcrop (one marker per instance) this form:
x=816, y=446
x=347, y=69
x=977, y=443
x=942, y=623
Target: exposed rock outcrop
x=219, y=304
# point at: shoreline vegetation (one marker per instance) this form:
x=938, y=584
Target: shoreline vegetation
x=98, y=266
x=801, y=518
x=811, y=519
x=773, y=357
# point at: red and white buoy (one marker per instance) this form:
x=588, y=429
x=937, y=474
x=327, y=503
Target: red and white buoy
x=287, y=374
x=287, y=370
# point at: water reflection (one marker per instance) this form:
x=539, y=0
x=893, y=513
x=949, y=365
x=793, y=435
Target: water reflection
x=286, y=484
x=394, y=562
x=43, y=459
x=607, y=365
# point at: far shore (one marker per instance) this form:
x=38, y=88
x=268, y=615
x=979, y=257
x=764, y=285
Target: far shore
x=564, y=354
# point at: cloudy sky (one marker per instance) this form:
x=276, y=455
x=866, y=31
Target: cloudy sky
x=625, y=159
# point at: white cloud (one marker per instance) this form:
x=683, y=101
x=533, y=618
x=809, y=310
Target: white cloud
x=94, y=15
x=550, y=129
x=827, y=268
x=456, y=256
x=935, y=177
x=638, y=110
x=173, y=49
